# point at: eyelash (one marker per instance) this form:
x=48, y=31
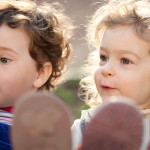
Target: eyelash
x=4, y=60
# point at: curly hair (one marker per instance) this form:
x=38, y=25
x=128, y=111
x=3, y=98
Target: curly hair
x=109, y=14
x=48, y=28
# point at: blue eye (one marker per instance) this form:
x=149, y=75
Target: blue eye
x=103, y=58
x=126, y=61
x=4, y=60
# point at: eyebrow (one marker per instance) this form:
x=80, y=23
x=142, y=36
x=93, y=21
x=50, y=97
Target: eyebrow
x=122, y=51
x=7, y=49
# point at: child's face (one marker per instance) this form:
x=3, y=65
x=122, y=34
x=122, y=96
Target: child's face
x=124, y=68
x=17, y=69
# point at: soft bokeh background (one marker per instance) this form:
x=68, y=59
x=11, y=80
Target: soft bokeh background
x=79, y=11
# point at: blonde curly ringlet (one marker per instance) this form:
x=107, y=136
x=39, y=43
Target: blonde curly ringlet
x=48, y=28
x=110, y=14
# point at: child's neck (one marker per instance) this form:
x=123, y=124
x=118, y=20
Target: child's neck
x=8, y=109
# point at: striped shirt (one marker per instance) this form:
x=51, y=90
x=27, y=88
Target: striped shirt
x=6, y=117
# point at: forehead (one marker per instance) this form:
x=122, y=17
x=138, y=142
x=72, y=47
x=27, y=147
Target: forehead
x=14, y=38
x=124, y=37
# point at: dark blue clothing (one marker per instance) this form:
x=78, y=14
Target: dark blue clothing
x=4, y=137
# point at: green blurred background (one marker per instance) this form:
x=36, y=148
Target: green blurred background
x=68, y=92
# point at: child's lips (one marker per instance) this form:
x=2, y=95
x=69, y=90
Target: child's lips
x=105, y=87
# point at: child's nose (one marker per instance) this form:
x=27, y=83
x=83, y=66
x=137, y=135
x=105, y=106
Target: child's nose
x=108, y=69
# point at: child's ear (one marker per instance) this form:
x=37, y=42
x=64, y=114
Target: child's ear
x=43, y=75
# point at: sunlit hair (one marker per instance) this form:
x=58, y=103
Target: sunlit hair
x=48, y=28
x=111, y=14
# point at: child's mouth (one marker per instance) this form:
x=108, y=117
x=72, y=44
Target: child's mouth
x=107, y=87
